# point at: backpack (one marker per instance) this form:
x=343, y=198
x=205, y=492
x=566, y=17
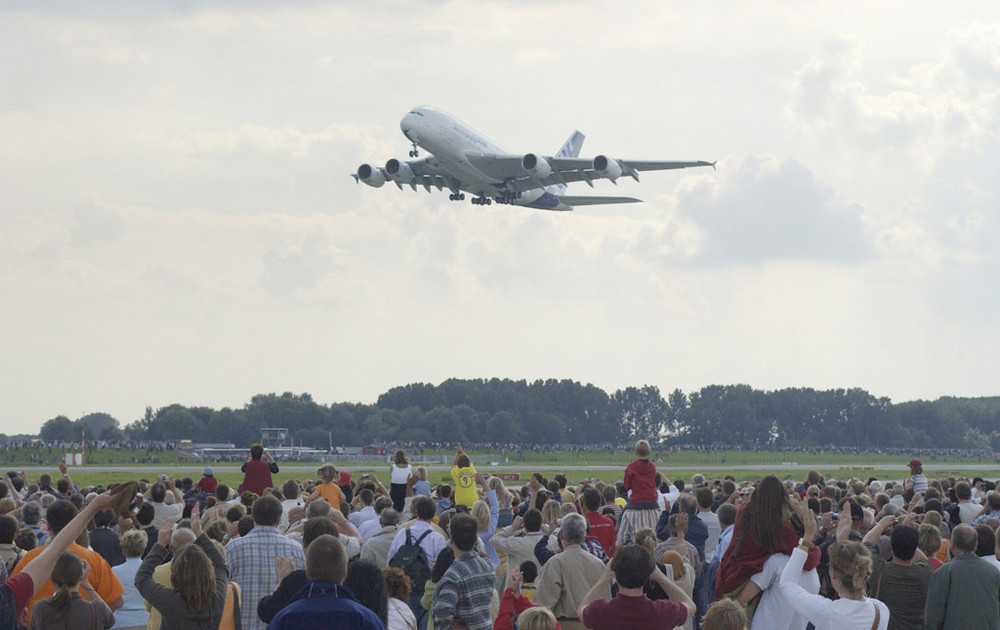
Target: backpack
x=412, y=559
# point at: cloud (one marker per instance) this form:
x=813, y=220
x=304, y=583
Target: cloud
x=756, y=209
x=96, y=223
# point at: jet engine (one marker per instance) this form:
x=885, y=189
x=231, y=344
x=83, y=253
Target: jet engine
x=536, y=166
x=371, y=175
x=399, y=171
x=607, y=167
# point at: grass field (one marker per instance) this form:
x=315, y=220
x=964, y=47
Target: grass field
x=742, y=465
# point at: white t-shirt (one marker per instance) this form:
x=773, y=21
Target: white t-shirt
x=399, y=475
x=825, y=614
x=711, y=521
x=773, y=613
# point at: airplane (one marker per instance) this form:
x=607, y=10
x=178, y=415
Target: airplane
x=463, y=160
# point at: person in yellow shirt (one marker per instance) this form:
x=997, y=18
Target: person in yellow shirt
x=464, y=474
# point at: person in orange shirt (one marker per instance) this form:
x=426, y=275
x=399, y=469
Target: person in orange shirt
x=104, y=581
x=329, y=489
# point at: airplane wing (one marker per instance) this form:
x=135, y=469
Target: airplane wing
x=564, y=170
x=576, y=200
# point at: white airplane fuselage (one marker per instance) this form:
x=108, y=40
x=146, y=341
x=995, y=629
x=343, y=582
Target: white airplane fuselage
x=449, y=139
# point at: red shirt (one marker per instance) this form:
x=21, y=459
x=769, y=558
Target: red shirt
x=625, y=611
x=603, y=529
x=639, y=479
x=208, y=484
x=257, y=476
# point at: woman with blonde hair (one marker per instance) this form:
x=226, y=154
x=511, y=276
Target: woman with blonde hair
x=504, y=499
x=551, y=513
x=486, y=511
x=850, y=568
x=399, y=472
x=329, y=489
x=201, y=577
x=66, y=608
x=133, y=613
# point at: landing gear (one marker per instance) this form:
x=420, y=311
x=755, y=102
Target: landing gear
x=414, y=153
x=482, y=200
x=509, y=197
x=458, y=197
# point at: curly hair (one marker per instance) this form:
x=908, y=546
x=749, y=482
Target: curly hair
x=852, y=563
x=397, y=583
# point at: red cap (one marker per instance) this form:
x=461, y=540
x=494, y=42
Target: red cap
x=345, y=478
x=915, y=462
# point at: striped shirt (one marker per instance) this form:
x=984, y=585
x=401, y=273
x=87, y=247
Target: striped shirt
x=251, y=565
x=464, y=593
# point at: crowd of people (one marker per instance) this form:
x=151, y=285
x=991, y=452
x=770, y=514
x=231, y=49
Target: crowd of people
x=636, y=551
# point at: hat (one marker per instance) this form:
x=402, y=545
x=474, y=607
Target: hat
x=345, y=478
x=208, y=472
x=915, y=462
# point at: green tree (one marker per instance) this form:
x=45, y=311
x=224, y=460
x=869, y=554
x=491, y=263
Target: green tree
x=59, y=429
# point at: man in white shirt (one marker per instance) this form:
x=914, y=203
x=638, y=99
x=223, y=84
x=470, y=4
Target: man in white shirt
x=705, y=499
x=167, y=501
x=372, y=527
x=365, y=511
x=293, y=499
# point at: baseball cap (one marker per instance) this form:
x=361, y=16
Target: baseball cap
x=208, y=472
x=345, y=478
x=915, y=462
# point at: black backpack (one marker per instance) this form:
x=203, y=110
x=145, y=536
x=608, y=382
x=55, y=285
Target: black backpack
x=412, y=559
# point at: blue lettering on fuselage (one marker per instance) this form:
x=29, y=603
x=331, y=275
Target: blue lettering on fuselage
x=468, y=135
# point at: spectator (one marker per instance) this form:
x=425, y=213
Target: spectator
x=368, y=585
x=290, y=490
x=725, y=614
x=329, y=489
x=504, y=501
x=964, y=593
x=901, y=583
x=9, y=553
x=643, y=507
x=180, y=538
x=568, y=576
x=104, y=540
x=66, y=608
x=930, y=543
x=763, y=527
x=601, y=527
x=991, y=509
x=486, y=511
x=421, y=532
x=727, y=516
x=443, y=503
x=208, y=482
x=324, y=602
x=290, y=579
x=463, y=473
x=397, y=587
x=59, y=516
x=376, y=549
x=519, y=540
x=463, y=593
x=31, y=515
x=158, y=496
x=632, y=567
x=850, y=568
x=256, y=472
x=251, y=558
x=441, y=565
x=705, y=499
x=917, y=480
x=372, y=527
x=133, y=614
x=421, y=486
x=399, y=472
x=515, y=603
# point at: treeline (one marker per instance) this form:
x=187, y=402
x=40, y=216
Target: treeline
x=503, y=411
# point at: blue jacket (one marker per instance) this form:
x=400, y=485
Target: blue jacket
x=320, y=605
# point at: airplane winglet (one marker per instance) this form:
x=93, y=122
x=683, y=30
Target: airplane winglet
x=357, y=180
x=713, y=166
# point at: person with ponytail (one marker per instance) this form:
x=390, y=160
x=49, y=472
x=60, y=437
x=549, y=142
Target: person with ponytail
x=67, y=608
x=200, y=576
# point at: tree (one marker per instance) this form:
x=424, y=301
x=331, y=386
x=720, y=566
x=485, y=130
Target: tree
x=59, y=429
x=638, y=413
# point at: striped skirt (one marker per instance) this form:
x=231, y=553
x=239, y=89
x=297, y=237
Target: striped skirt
x=634, y=519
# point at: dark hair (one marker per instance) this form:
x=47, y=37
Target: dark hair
x=443, y=562
x=933, y=505
x=104, y=518
x=632, y=565
x=290, y=489
x=444, y=491
x=463, y=461
x=367, y=583
x=158, y=493
x=904, y=540
x=145, y=514
x=529, y=571
x=8, y=529
x=705, y=497
x=591, y=500
x=561, y=479
x=66, y=575
x=244, y=525
x=963, y=490
x=234, y=514
x=764, y=514
x=381, y=503
x=464, y=532
x=987, y=544
x=32, y=513
x=59, y=515
x=424, y=507
x=267, y=511
x=813, y=504
x=256, y=451
x=318, y=526
x=222, y=492
x=367, y=496
x=26, y=539
x=62, y=486
x=532, y=520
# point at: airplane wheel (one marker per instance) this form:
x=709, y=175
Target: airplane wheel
x=461, y=197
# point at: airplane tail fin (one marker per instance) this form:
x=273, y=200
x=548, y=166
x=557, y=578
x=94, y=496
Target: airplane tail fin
x=570, y=149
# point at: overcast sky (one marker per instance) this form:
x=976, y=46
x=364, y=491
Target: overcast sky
x=179, y=224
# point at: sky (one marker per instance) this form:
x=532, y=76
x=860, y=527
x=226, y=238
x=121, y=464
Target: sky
x=178, y=223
